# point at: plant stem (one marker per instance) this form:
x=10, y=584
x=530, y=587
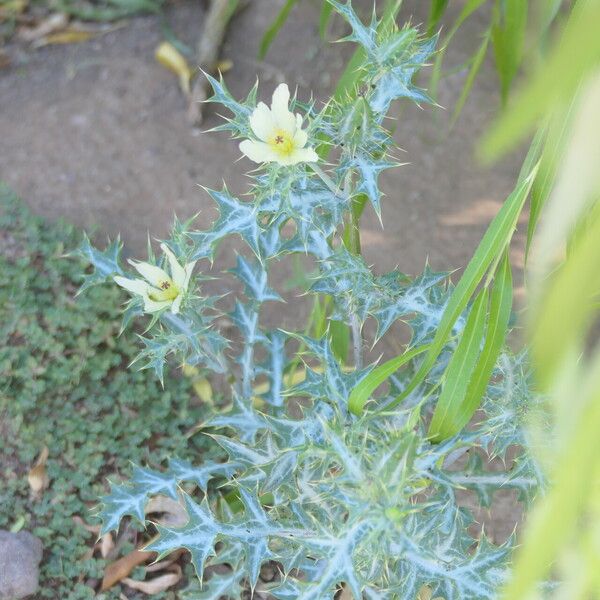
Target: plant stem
x=351, y=235
x=356, y=341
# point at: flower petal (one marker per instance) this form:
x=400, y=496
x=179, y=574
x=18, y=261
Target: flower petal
x=177, y=271
x=259, y=152
x=135, y=286
x=300, y=138
x=188, y=273
x=176, y=304
x=151, y=306
x=283, y=118
x=153, y=274
x=262, y=123
x=303, y=155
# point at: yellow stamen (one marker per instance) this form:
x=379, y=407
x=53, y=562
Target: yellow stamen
x=282, y=143
x=166, y=290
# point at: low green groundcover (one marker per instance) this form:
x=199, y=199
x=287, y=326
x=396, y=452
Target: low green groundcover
x=64, y=384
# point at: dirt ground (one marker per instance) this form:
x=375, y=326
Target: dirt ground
x=97, y=133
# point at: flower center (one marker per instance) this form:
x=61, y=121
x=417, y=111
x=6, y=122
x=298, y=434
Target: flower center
x=282, y=142
x=165, y=290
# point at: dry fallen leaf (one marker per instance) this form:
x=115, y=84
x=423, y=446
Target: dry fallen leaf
x=168, y=56
x=346, y=594
x=11, y=8
x=158, y=584
x=163, y=564
x=425, y=593
x=173, y=513
x=224, y=65
x=106, y=544
x=54, y=22
x=69, y=36
x=4, y=60
x=118, y=570
x=37, y=476
x=201, y=385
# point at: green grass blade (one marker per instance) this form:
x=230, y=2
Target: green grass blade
x=508, y=37
x=468, y=9
x=476, y=63
x=500, y=309
x=492, y=245
x=362, y=392
x=273, y=29
x=324, y=18
x=459, y=373
x=436, y=12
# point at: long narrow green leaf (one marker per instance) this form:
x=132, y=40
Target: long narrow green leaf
x=559, y=127
x=476, y=63
x=459, y=372
x=324, y=18
x=273, y=29
x=560, y=320
x=494, y=241
x=500, y=309
x=362, y=392
x=508, y=36
x=468, y=9
x=577, y=54
x=436, y=12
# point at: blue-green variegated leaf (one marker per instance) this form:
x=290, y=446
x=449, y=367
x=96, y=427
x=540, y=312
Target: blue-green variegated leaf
x=332, y=384
x=365, y=35
x=237, y=124
x=240, y=417
x=274, y=367
x=352, y=286
x=198, y=536
x=397, y=81
x=485, y=482
x=421, y=303
x=123, y=500
x=184, y=471
x=219, y=585
x=255, y=279
x=235, y=217
x=368, y=170
x=106, y=264
x=245, y=318
x=436, y=551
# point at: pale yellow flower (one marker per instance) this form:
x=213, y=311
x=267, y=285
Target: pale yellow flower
x=280, y=135
x=159, y=289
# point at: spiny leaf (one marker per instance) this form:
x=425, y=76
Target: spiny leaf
x=234, y=217
x=254, y=276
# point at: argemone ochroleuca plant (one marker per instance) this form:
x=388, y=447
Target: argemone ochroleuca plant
x=330, y=494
